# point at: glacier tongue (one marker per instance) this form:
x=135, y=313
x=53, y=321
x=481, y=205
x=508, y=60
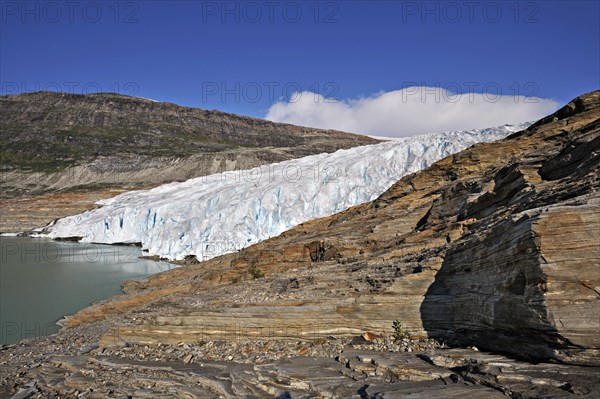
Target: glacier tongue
x=222, y=213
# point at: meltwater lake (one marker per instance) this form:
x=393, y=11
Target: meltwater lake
x=42, y=281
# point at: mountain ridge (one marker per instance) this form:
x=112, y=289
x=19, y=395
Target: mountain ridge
x=59, y=152
x=142, y=127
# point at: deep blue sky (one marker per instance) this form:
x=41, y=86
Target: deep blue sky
x=186, y=52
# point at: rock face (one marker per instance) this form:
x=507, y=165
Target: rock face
x=355, y=373
x=530, y=281
x=494, y=247
x=77, y=128
x=52, y=143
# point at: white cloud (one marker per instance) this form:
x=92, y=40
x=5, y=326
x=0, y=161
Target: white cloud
x=409, y=111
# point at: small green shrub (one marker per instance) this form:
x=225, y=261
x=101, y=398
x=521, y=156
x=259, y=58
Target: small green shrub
x=255, y=272
x=399, y=332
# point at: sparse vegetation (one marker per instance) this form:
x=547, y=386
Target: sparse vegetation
x=255, y=272
x=38, y=128
x=399, y=331
x=28, y=157
x=48, y=132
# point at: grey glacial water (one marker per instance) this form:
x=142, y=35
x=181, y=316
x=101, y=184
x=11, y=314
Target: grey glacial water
x=42, y=280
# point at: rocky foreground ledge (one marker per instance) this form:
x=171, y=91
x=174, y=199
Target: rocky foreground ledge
x=494, y=247
x=72, y=365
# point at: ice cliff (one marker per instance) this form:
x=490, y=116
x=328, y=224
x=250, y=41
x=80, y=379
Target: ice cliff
x=212, y=215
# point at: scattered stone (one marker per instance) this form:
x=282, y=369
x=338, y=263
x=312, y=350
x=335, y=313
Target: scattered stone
x=24, y=393
x=369, y=336
x=87, y=348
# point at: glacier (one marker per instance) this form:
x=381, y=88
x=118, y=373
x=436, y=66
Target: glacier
x=222, y=213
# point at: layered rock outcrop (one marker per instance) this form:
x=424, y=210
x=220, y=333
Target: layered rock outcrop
x=495, y=246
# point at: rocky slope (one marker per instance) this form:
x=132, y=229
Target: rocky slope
x=494, y=247
x=56, y=143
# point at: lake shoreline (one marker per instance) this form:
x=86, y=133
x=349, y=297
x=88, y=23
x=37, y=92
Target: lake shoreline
x=45, y=282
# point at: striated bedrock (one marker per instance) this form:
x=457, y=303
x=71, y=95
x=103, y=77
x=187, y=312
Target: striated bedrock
x=495, y=246
x=527, y=269
x=530, y=283
x=355, y=373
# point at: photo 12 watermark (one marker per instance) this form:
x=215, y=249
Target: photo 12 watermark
x=56, y=252
x=293, y=171
x=517, y=12
x=71, y=12
x=70, y=87
x=471, y=92
x=270, y=91
x=271, y=12
x=13, y=331
x=263, y=330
